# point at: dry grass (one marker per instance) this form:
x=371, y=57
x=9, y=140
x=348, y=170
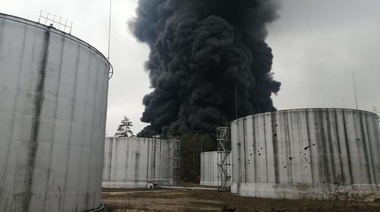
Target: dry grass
x=198, y=200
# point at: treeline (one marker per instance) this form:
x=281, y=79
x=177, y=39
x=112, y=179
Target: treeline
x=192, y=144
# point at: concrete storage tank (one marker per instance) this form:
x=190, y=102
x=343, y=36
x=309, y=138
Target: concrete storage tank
x=306, y=153
x=131, y=162
x=209, y=169
x=53, y=89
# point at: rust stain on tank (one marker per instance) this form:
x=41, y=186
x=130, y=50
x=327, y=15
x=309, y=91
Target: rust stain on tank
x=38, y=102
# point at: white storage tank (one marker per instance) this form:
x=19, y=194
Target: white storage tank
x=131, y=162
x=53, y=91
x=209, y=169
x=306, y=153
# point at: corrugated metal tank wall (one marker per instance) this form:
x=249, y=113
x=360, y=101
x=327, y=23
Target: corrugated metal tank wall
x=306, y=153
x=53, y=89
x=209, y=169
x=131, y=162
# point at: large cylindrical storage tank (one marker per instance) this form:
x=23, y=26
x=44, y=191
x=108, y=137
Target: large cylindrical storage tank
x=306, y=153
x=209, y=169
x=131, y=162
x=53, y=88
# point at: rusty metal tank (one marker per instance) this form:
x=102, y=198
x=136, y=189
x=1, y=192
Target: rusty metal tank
x=306, y=153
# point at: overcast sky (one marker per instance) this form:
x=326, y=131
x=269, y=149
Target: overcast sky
x=317, y=46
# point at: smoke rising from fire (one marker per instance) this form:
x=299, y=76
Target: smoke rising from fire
x=202, y=52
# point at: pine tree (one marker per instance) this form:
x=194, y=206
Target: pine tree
x=124, y=129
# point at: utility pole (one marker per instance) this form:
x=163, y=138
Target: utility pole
x=356, y=99
x=236, y=102
x=109, y=31
x=201, y=144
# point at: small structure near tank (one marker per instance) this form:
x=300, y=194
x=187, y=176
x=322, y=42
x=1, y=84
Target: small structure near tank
x=306, y=153
x=223, y=138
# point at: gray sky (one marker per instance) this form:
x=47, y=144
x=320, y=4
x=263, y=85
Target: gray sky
x=317, y=46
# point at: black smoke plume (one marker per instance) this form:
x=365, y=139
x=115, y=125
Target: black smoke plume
x=202, y=52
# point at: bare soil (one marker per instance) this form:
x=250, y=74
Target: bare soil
x=206, y=200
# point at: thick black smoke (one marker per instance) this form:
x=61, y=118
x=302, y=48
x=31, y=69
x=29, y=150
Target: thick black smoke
x=202, y=51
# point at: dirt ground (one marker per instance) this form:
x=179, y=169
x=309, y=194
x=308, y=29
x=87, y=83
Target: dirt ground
x=205, y=200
